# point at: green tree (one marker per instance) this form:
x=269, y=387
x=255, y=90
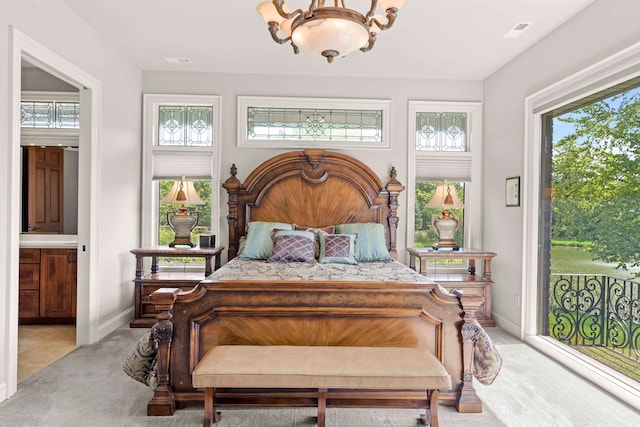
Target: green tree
x=596, y=179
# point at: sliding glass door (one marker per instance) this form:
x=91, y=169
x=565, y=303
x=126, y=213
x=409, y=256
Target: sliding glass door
x=589, y=229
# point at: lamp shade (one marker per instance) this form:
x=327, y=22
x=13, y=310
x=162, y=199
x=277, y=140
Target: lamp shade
x=183, y=192
x=445, y=197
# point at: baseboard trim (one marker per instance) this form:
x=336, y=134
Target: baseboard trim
x=115, y=322
x=3, y=392
x=507, y=325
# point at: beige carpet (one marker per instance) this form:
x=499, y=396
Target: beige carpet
x=88, y=388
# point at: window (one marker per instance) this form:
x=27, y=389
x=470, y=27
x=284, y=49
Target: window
x=181, y=138
x=49, y=110
x=424, y=235
x=185, y=125
x=204, y=190
x=308, y=122
x=444, y=145
x=441, y=131
x=49, y=118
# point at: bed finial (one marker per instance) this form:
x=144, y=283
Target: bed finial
x=232, y=185
x=394, y=188
x=393, y=174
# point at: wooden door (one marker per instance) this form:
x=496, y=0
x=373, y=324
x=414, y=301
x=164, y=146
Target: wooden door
x=45, y=189
x=58, y=283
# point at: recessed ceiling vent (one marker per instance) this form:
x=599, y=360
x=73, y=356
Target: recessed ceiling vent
x=178, y=60
x=517, y=30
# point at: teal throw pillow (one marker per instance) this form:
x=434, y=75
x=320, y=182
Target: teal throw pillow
x=371, y=242
x=259, y=243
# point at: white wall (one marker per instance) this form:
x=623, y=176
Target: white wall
x=51, y=24
x=604, y=28
x=229, y=86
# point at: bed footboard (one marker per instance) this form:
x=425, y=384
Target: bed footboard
x=368, y=314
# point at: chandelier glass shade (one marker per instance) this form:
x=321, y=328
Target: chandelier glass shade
x=331, y=32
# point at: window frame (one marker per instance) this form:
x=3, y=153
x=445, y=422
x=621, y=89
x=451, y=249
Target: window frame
x=451, y=166
x=244, y=102
x=150, y=186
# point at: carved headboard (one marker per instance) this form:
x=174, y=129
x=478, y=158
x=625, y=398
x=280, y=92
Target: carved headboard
x=313, y=188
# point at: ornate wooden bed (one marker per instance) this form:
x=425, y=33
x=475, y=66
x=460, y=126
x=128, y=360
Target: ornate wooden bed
x=314, y=188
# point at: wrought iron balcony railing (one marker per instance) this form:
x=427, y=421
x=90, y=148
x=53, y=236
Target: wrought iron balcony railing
x=596, y=311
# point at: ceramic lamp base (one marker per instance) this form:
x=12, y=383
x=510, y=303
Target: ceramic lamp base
x=182, y=224
x=446, y=227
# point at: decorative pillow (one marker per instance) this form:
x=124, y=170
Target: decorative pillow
x=292, y=246
x=337, y=248
x=372, y=242
x=330, y=229
x=258, y=244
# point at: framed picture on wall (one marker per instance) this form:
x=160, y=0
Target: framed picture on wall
x=512, y=191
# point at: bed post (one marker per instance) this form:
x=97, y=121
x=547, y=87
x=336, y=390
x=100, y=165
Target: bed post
x=232, y=185
x=394, y=188
x=467, y=400
x=163, y=402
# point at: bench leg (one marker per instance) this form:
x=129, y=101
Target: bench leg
x=322, y=406
x=430, y=417
x=211, y=416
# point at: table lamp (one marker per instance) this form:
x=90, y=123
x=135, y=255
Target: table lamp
x=445, y=226
x=182, y=222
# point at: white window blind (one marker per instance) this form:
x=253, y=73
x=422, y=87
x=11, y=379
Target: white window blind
x=454, y=167
x=170, y=164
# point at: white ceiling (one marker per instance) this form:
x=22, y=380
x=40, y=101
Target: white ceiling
x=449, y=39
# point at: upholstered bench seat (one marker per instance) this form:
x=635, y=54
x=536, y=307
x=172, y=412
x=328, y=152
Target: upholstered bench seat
x=322, y=368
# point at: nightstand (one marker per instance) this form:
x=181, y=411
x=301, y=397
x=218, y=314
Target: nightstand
x=470, y=283
x=146, y=284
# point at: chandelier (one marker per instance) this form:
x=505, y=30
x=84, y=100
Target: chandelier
x=328, y=31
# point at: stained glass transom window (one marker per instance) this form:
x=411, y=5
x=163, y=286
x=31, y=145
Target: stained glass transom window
x=436, y=131
x=185, y=126
x=50, y=115
x=314, y=124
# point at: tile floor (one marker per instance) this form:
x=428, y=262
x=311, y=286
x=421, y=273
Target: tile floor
x=41, y=345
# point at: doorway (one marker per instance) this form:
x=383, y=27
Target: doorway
x=25, y=48
x=49, y=143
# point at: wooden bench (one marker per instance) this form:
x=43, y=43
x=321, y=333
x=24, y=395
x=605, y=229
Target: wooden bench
x=321, y=368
